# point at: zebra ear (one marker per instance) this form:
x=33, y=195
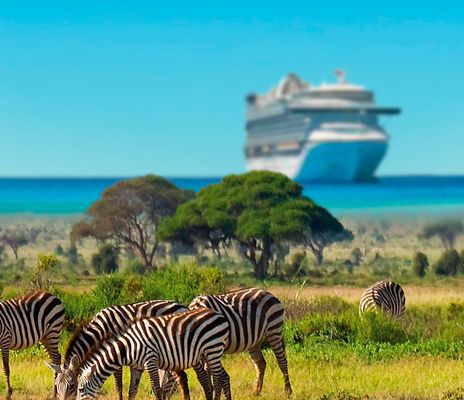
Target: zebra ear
x=74, y=364
x=54, y=367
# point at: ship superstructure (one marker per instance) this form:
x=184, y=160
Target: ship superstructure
x=320, y=133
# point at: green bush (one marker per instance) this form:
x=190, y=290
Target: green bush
x=449, y=263
x=296, y=265
x=106, y=260
x=420, y=263
x=379, y=328
x=182, y=283
x=79, y=307
x=109, y=291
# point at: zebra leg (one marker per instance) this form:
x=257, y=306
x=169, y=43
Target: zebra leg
x=50, y=343
x=152, y=369
x=277, y=344
x=118, y=383
x=204, y=379
x=226, y=384
x=135, y=376
x=260, y=366
x=182, y=381
x=6, y=368
x=216, y=370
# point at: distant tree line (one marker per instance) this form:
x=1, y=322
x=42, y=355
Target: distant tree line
x=263, y=214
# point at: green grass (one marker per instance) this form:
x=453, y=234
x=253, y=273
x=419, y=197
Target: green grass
x=415, y=377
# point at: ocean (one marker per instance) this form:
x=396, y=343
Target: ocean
x=399, y=194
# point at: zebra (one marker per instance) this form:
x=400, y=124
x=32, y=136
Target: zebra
x=253, y=315
x=35, y=318
x=172, y=342
x=110, y=321
x=387, y=296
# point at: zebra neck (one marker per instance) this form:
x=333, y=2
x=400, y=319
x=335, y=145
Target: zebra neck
x=81, y=344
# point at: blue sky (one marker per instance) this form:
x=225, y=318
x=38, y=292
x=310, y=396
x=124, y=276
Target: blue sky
x=118, y=88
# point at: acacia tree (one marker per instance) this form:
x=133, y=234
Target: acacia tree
x=129, y=213
x=18, y=238
x=261, y=210
x=446, y=231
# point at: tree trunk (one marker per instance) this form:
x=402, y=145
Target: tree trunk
x=318, y=251
x=263, y=263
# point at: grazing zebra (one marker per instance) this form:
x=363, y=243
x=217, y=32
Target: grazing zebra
x=253, y=315
x=110, y=321
x=172, y=342
x=386, y=296
x=26, y=321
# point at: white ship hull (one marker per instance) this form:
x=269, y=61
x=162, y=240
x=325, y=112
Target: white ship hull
x=325, y=133
x=343, y=161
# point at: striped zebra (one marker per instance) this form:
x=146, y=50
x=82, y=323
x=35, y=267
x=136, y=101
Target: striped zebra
x=110, y=321
x=253, y=315
x=172, y=342
x=386, y=296
x=26, y=321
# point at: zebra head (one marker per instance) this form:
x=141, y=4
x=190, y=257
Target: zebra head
x=66, y=379
x=87, y=389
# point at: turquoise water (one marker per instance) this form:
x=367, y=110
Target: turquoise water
x=422, y=194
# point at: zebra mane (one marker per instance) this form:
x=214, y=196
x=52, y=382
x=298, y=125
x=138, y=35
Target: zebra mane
x=99, y=347
x=74, y=339
x=77, y=336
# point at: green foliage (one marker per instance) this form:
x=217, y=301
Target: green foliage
x=182, y=283
x=106, y=260
x=356, y=256
x=42, y=278
x=136, y=266
x=260, y=210
x=59, y=251
x=296, y=266
x=109, y=291
x=72, y=255
x=420, y=263
x=379, y=328
x=129, y=213
x=449, y=263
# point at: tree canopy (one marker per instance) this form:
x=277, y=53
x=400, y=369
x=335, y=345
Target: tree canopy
x=447, y=231
x=260, y=210
x=129, y=213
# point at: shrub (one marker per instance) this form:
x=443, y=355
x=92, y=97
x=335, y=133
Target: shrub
x=379, y=328
x=59, y=250
x=106, y=260
x=420, y=263
x=72, y=255
x=356, y=256
x=79, y=307
x=182, y=283
x=448, y=264
x=42, y=279
x=296, y=264
x=136, y=266
x=109, y=291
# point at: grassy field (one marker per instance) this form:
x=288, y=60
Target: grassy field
x=412, y=378
x=329, y=359
x=323, y=368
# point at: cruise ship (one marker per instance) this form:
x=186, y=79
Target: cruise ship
x=329, y=132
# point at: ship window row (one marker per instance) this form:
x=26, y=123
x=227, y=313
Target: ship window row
x=269, y=129
x=268, y=149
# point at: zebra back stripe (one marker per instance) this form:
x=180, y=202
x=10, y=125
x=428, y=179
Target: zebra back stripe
x=251, y=313
x=27, y=320
x=387, y=296
x=113, y=321
x=172, y=342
